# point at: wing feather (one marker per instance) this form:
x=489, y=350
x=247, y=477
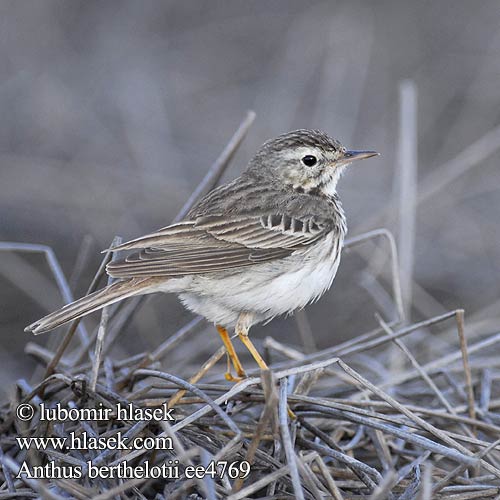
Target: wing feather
x=216, y=243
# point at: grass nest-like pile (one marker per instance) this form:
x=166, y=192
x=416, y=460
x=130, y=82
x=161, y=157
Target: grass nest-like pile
x=395, y=413
x=312, y=427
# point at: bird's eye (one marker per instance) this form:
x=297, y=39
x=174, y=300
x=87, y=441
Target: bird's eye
x=309, y=160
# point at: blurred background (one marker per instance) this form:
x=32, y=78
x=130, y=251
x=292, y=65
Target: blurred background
x=112, y=112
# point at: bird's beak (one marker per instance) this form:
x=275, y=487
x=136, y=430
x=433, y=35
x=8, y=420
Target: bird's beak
x=350, y=156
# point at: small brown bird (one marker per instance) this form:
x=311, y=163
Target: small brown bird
x=263, y=245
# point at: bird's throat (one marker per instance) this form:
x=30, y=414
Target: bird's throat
x=323, y=185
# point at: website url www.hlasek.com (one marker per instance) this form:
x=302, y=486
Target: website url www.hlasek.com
x=82, y=441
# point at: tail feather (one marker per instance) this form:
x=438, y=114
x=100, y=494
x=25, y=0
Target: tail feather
x=93, y=302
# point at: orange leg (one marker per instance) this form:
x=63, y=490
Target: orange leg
x=226, y=339
x=242, y=331
x=242, y=326
x=243, y=335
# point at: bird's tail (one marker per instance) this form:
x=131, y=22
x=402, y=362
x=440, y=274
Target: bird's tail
x=97, y=300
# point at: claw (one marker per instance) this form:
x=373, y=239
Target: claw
x=231, y=378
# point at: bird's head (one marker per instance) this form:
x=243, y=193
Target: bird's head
x=308, y=161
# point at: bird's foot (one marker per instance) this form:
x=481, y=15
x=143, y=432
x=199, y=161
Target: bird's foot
x=231, y=378
x=240, y=373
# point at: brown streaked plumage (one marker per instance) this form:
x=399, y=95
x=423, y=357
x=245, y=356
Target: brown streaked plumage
x=264, y=244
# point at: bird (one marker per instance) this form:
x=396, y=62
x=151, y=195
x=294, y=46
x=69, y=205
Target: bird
x=263, y=245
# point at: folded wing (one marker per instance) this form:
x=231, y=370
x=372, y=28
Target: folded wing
x=216, y=243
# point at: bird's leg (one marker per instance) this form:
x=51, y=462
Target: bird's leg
x=242, y=327
x=226, y=339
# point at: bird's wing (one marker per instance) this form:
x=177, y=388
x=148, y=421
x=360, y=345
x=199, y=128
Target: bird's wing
x=215, y=243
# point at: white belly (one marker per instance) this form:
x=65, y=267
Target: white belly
x=268, y=289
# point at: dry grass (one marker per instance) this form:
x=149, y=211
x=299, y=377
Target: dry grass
x=351, y=439
x=392, y=413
